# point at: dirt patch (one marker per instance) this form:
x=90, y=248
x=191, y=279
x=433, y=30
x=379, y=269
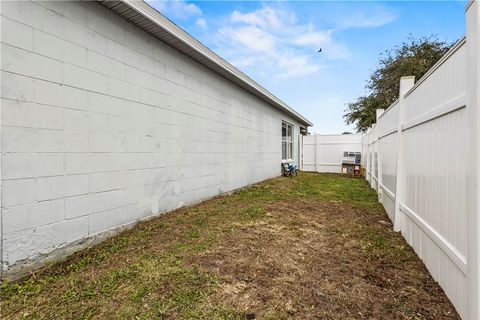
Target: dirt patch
x=316, y=246
x=322, y=259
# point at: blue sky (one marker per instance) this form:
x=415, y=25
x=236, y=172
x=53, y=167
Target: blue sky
x=276, y=43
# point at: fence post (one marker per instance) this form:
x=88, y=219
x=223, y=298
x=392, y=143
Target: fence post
x=473, y=179
x=365, y=137
x=379, y=112
x=300, y=151
x=316, y=152
x=371, y=156
x=406, y=83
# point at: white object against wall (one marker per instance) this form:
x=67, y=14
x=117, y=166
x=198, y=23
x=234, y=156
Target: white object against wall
x=424, y=155
x=324, y=152
x=103, y=125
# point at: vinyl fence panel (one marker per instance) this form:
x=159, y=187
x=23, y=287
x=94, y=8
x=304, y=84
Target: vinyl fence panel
x=417, y=159
x=324, y=152
x=387, y=150
x=434, y=204
x=372, y=157
x=422, y=157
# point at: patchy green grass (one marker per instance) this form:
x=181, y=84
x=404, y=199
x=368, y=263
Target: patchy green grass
x=306, y=247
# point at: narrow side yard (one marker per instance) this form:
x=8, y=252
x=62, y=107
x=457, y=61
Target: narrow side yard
x=316, y=246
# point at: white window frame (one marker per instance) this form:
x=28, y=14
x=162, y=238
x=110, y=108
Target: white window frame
x=287, y=141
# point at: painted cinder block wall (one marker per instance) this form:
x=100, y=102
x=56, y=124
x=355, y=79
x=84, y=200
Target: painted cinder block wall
x=103, y=125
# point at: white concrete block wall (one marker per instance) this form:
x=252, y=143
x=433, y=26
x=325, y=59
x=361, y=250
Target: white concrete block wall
x=103, y=125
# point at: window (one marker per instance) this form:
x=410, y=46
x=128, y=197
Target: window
x=287, y=141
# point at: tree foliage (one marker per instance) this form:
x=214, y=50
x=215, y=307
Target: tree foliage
x=413, y=57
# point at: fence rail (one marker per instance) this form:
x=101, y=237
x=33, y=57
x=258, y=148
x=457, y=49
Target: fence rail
x=418, y=156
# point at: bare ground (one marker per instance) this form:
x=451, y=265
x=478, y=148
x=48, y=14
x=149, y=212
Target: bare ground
x=317, y=246
x=323, y=260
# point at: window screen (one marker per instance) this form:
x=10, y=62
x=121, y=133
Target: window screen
x=287, y=141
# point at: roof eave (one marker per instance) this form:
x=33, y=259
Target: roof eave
x=150, y=20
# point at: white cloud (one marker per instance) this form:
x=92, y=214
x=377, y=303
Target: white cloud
x=202, y=23
x=265, y=17
x=177, y=8
x=250, y=37
x=374, y=18
x=335, y=51
x=316, y=38
x=295, y=65
x=269, y=41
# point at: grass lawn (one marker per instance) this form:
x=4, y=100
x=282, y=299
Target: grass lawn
x=316, y=246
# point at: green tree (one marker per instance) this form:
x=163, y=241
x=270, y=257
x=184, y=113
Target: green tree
x=413, y=57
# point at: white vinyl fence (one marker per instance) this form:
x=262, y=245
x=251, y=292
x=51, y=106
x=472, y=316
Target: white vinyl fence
x=370, y=154
x=422, y=158
x=324, y=152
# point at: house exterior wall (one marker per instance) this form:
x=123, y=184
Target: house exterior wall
x=103, y=125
